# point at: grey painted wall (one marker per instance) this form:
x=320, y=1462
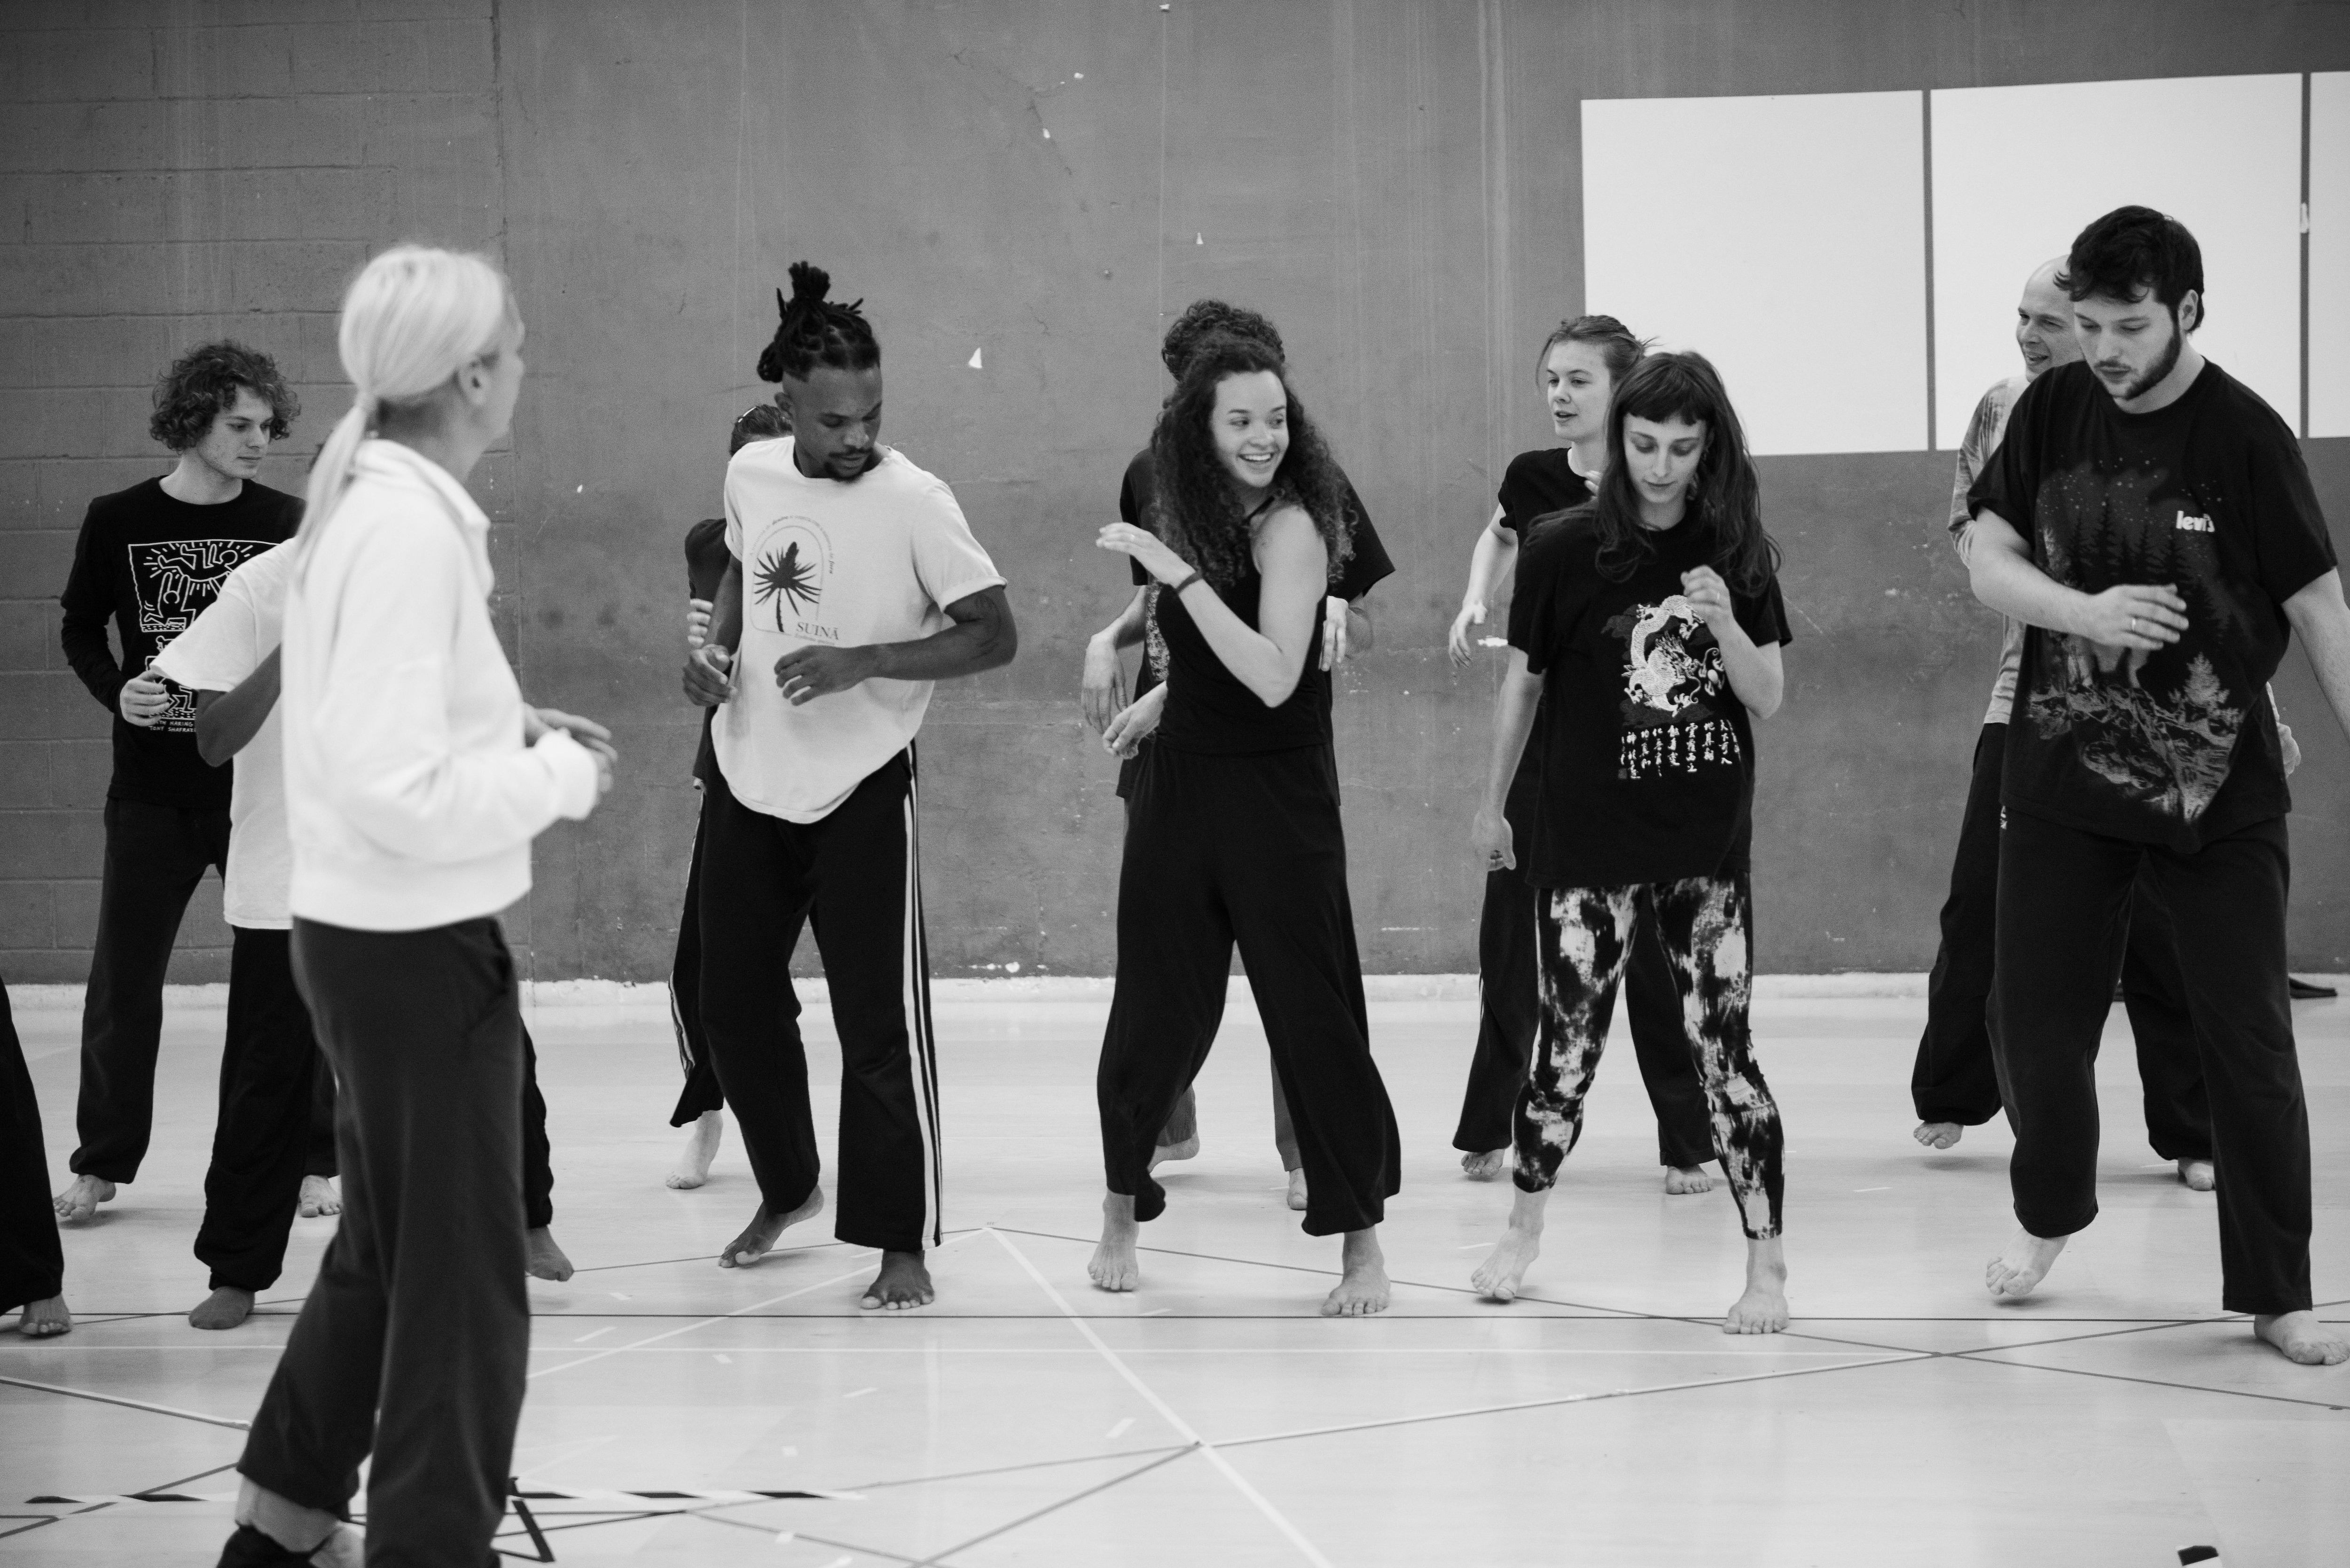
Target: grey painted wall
x=1396, y=183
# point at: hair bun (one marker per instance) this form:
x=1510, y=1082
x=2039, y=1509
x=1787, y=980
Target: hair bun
x=810, y=283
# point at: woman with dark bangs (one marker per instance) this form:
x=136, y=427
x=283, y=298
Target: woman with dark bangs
x=1648, y=623
x=1233, y=833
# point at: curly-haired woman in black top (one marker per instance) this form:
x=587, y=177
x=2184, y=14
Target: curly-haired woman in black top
x=1233, y=833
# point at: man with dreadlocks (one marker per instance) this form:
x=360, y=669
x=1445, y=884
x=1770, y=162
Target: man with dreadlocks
x=854, y=585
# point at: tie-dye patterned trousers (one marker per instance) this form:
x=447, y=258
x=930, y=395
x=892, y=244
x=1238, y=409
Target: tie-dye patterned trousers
x=1707, y=924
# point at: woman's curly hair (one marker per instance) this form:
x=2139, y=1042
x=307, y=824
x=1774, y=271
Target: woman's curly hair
x=202, y=383
x=1193, y=506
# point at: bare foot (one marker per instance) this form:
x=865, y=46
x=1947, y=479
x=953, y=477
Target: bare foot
x=542, y=1259
x=318, y=1198
x=1683, y=1178
x=765, y=1225
x=1187, y=1149
x=2014, y=1274
x=1115, y=1267
x=1503, y=1271
x=1763, y=1308
x=2303, y=1338
x=226, y=1307
x=903, y=1283
x=81, y=1197
x=44, y=1319
x=2198, y=1175
x=1297, y=1189
x=1486, y=1166
x=693, y=1168
x=1363, y=1288
x=1939, y=1134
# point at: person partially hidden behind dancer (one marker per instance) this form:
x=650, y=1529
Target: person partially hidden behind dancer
x=701, y=1103
x=264, y=1155
x=150, y=559
x=415, y=780
x=1648, y=624
x=1233, y=833
x=1954, y=1085
x=2151, y=520
x=854, y=586
x=1127, y=726
x=32, y=1260
x=1582, y=360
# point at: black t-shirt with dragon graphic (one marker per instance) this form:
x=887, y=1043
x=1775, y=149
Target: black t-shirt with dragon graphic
x=1649, y=774
x=152, y=565
x=2178, y=747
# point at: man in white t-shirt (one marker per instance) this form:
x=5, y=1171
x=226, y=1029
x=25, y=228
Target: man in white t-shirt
x=855, y=584
x=270, y=1064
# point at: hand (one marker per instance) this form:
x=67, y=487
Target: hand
x=1334, y=632
x=2143, y=616
x=805, y=674
x=709, y=676
x=1708, y=596
x=1145, y=547
x=144, y=700
x=1456, y=642
x=537, y=722
x=1490, y=836
x=1103, y=692
x=2289, y=746
x=1124, y=735
x=697, y=623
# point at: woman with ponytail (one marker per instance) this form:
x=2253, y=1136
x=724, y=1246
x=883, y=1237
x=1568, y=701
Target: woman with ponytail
x=1581, y=361
x=415, y=780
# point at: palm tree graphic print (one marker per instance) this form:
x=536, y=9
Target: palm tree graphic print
x=787, y=580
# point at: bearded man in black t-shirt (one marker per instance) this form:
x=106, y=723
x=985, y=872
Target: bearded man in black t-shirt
x=151, y=559
x=2150, y=520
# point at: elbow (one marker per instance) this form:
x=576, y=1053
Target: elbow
x=1273, y=693
x=1002, y=648
x=211, y=745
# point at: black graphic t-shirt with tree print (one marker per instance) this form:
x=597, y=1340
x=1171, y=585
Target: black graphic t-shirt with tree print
x=2210, y=496
x=152, y=565
x=1649, y=768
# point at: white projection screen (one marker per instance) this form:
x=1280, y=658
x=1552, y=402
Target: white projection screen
x=2329, y=253
x=1730, y=224
x=2019, y=171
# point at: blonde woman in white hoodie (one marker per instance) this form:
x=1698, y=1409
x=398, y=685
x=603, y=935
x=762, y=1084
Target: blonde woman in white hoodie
x=415, y=780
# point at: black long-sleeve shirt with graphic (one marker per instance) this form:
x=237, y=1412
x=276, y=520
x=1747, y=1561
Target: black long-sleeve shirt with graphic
x=150, y=564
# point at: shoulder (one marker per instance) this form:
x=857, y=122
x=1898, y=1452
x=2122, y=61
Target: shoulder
x=262, y=577
x=1141, y=471
x=274, y=503
x=119, y=503
x=770, y=458
x=2262, y=425
x=1543, y=465
x=1561, y=541
x=901, y=477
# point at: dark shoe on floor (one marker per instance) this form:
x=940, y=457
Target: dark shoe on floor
x=2304, y=991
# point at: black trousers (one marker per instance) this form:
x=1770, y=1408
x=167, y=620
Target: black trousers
x=1956, y=1079
x=1247, y=850
x=1510, y=1010
x=155, y=856
x=269, y=1069
x=32, y=1260
x=856, y=875
x=415, y=1339
x=2064, y=897
x=702, y=1092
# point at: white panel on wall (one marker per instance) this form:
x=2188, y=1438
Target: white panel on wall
x=1781, y=237
x=2019, y=171
x=2329, y=253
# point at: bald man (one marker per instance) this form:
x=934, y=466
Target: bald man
x=1954, y=1085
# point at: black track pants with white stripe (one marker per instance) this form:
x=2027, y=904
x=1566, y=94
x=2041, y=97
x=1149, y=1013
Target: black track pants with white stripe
x=856, y=877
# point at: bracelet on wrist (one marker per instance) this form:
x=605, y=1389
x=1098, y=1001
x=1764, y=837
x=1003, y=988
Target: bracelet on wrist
x=1178, y=589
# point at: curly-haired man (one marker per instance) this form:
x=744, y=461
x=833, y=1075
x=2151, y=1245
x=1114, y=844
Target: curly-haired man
x=150, y=559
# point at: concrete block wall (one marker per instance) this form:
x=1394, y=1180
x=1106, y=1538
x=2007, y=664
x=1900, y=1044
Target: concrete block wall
x=171, y=173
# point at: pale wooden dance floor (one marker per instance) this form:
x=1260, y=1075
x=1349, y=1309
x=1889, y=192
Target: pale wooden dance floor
x=1211, y=1417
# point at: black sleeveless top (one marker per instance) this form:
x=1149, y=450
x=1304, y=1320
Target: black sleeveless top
x=1209, y=709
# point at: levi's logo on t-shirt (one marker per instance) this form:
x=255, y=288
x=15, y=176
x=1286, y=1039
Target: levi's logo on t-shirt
x=2194, y=524
x=791, y=570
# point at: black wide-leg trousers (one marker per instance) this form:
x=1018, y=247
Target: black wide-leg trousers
x=414, y=1342
x=269, y=1070
x=32, y=1260
x=1510, y=1010
x=702, y=1092
x=155, y=856
x=1955, y=1077
x=855, y=875
x=2064, y=897
x=1246, y=850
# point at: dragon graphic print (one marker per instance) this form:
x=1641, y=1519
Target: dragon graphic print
x=1673, y=682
